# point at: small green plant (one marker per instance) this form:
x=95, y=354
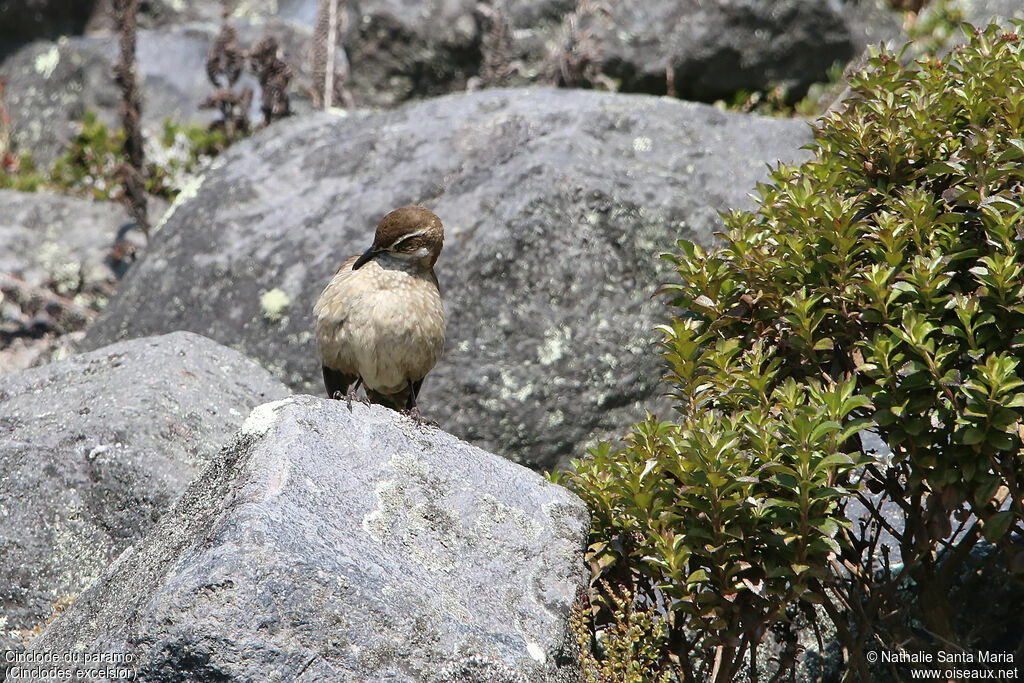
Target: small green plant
x=89, y=167
x=878, y=286
x=629, y=649
x=178, y=154
x=730, y=514
x=19, y=173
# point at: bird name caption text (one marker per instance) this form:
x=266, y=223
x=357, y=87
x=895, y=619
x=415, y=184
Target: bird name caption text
x=70, y=665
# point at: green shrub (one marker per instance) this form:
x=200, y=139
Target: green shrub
x=20, y=173
x=879, y=285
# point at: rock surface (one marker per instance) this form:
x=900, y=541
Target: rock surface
x=50, y=85
x=400, y=50
x=718, y=48
x=397, y=50
x=59, y=262
x=556, y=205
x=329, y=544
x=94, y=448
x=161, y=13
x=50, y=237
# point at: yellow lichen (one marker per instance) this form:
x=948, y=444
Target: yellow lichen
x=274, y=303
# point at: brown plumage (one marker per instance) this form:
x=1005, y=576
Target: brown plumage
x=380, y=322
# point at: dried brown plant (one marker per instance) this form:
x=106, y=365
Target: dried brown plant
x=224, y=64
x=133, y=171
x=578, y=60
x=497, y=46
x=8, y=159
x=274, y=75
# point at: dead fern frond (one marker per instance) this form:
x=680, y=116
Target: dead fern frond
x=226, y=59
x=274, y=75
x=578, y=60
x=497, y=46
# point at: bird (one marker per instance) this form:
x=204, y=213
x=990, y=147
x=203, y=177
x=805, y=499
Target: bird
x=380, y=321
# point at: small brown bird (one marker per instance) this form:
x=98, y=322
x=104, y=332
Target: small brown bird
x=380, y=321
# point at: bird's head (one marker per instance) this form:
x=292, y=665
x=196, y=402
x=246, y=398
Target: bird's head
x=411, y=234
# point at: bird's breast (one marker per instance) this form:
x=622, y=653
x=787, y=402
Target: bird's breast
x=387, y=326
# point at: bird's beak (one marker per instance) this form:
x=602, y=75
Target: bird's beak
x=361, y=261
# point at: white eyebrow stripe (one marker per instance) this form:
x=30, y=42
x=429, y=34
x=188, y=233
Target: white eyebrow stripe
x=407, y=237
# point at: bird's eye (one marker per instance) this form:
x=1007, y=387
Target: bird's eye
x=407, y=243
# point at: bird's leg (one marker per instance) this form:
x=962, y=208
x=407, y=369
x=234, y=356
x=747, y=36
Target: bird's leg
x=352, y=394
x=412, y=410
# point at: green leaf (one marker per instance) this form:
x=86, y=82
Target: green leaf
x=995, y=526
x=973, y=436
x=697, y=576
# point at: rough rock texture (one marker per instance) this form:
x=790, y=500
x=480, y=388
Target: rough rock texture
x=872, y=22
x=94, y=448
x=330, y=544
x=400, y=50
x=718, y=48
x=556, y=205
x=54, y=244
x=50, y=85
x=51, y=238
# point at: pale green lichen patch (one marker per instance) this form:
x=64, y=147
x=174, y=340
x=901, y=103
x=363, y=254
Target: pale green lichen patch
x=189, y=189
x=249, y=9
x=262, y=418
x=46, y=63
x=452, y=603
x=274, y=302
x=552, y=348
x=512, y=390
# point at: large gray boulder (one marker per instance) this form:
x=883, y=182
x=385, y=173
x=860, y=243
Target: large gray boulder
x=329, y=544
x=94, y=448
x=556, y=205
x=718, y=48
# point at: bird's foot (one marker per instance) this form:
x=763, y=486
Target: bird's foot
x=351, y=396
x=414, y=414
